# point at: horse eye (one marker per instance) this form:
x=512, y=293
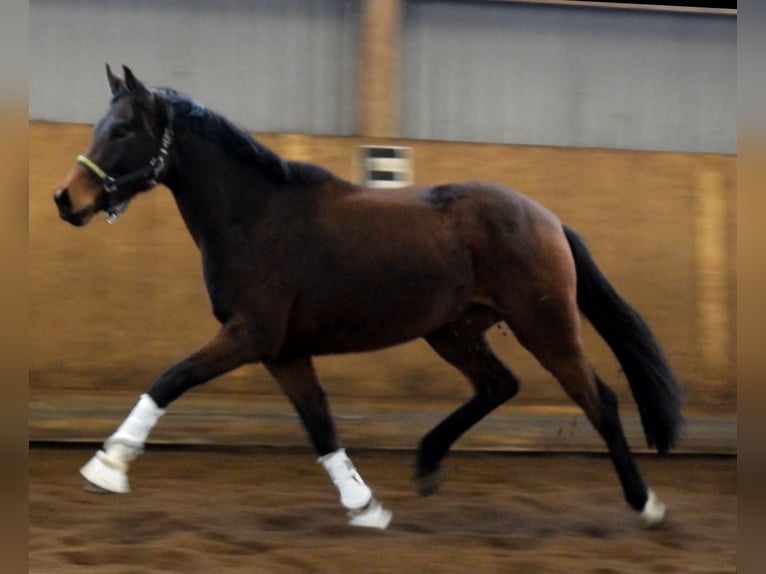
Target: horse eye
x=119, y=132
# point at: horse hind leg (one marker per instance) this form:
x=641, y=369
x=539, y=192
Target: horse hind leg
x=550, y=330
x=463, y=345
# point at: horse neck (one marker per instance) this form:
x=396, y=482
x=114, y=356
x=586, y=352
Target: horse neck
x=215, y=191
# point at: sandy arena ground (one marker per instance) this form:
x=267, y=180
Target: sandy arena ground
x=274, y=511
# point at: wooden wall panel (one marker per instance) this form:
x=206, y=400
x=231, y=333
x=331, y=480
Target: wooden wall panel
x=379, y=63
x=112, y=306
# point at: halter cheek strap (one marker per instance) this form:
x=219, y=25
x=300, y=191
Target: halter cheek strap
x=114, y=207
x=146, y=176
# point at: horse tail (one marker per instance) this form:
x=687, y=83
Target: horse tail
x=653, y=384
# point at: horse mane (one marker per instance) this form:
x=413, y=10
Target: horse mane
x=237, y=141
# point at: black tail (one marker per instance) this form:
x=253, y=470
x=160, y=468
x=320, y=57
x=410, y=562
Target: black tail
x=655, y=388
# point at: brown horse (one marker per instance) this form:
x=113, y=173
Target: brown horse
x=298, y=263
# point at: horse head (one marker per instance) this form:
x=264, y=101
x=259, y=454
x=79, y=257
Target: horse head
x=128, y=153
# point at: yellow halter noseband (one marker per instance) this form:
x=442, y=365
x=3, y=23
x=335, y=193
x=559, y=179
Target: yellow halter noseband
x=84, y=160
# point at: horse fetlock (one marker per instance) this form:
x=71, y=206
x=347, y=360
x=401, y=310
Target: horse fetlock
x=654, y=511
x=354, y=492
x=107, y=471
x=120, y=454
x=361, y=507
x=428, y=479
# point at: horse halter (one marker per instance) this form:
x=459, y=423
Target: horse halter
x=147, y=176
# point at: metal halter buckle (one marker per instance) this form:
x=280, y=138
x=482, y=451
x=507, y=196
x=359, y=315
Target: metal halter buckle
x=113, y=213
x=109, y=184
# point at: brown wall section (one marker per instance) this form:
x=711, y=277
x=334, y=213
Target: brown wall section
x=112, y=306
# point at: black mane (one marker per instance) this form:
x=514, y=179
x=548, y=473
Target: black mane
x=215, y=128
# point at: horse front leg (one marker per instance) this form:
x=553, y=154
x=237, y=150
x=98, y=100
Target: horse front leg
x=107, y=471
x=299, y=381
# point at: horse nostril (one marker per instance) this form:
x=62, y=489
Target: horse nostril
x=61, y=197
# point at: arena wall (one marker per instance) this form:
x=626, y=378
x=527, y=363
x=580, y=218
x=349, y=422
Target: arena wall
x=532, y=74
x=620, y=121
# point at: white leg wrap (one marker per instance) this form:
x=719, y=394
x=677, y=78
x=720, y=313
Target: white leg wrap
x=355, y=495
x=654, y=510
x=136, y=428
x=107, y=470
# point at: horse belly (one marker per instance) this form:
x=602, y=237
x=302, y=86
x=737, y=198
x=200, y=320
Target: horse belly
x=377, y=307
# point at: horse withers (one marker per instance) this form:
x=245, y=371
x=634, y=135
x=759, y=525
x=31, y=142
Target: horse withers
x=298, y=263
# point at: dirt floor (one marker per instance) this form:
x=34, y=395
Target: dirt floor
x=274, y=511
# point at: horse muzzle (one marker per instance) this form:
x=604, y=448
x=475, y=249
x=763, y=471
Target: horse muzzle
x=78, y=217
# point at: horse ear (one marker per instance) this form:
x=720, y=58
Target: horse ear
x=115, y=83
x=137, y=88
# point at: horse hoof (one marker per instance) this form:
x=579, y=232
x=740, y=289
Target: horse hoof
x=428, y=482
x=371, y=516
x=88, y=486
x=103, y=476
x=654, y=511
